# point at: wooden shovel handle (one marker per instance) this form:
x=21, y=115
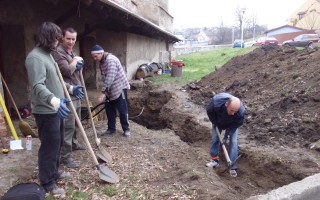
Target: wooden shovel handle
x=88, y=106
x=223, y=147
x=75, y=114
x=13, y=102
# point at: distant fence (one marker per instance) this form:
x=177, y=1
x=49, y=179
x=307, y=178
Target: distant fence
x=179, y=50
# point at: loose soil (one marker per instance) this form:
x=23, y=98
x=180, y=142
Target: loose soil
x=166, y=155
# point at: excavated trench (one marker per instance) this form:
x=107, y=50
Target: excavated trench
x=168, y=108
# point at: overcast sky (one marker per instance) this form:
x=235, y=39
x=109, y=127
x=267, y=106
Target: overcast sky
x=208, y=13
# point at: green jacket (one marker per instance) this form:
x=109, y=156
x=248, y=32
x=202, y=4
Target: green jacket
x=43, y=80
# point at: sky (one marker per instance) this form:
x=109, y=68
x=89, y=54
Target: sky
x=209, y=13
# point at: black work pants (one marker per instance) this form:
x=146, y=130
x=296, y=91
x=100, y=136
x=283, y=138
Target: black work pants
x=50, y=130
x=121, y=105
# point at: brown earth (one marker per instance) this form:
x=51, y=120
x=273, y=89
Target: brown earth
x=166, y=155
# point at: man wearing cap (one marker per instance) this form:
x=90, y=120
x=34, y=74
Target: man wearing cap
x=70, y=66
x=114, y=89
x=226, y=112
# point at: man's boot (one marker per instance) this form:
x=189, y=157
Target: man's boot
x=69, y=162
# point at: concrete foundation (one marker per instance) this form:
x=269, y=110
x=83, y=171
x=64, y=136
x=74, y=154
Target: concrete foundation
x=306, y=189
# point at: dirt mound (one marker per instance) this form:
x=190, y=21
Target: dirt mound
x=280, y=89
x=279, y=141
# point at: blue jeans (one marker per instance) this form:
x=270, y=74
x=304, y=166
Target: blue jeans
x=233, y=146
x=51, y=131
x=121, y=105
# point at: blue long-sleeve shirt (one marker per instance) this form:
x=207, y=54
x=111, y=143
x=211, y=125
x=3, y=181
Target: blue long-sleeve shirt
x=218, y=115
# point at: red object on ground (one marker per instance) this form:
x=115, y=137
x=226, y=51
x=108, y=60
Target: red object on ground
x=177, y=63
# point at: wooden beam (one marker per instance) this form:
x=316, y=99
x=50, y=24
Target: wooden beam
x=69, y=13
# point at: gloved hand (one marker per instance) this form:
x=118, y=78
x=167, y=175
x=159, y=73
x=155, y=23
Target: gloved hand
x=78, y=58
x=63, y=110
x=79, y=65
x=80, y=62
x=77, y=91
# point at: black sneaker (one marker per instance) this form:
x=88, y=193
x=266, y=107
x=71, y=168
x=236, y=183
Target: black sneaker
x=107, y=132
x=78, y=147
x=64, y=175
x=54, y=190
x=69, y=162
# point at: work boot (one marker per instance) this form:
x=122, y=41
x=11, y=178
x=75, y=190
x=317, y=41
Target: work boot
x=127, y=133
x=233, y=172
x=55, y=190
x=63, y=175
x=212, y=164
x=78, y=147
x=69, y=162
x=107, y=132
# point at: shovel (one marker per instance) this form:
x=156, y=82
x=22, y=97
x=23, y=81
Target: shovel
x=104, y=172
x=24, y=126
x=102, y=154
x=229, y=162
x=16, y=143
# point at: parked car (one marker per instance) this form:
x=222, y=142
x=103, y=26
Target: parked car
x=238, y=43
x=265, y=40
x=304, y=40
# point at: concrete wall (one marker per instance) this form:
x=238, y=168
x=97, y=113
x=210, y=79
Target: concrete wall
x=115, y=43
x=155, y=11
x=18, y=22
x=306, y=189
x=142, y=50
x=20, y=19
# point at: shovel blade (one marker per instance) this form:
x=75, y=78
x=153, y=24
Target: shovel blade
x=104, y=155
x=107, y=174
x=229, y=166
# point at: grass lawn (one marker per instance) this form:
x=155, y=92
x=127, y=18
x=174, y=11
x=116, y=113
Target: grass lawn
x=200, y=64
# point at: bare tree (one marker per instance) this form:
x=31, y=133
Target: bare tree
x=253, y=25
x=221, y=32
x=240, y=17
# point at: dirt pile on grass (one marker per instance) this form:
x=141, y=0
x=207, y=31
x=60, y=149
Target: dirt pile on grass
x=280, y=89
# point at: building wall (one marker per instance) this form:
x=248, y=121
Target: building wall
x=283, y=30
x=311, y=19
x=18, y=22
x=115, y=43
x=142, y=50
x=20, y=19
x=155, y=11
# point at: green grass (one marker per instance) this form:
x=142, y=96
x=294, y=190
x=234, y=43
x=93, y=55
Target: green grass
x=200, y=64
x=110, y=190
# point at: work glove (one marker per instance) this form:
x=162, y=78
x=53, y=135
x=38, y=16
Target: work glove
x=79, y=65
x=80, y=62
x=77, y=91
x=63, y=110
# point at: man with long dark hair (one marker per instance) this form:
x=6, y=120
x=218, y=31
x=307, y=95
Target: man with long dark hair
x=48, y=104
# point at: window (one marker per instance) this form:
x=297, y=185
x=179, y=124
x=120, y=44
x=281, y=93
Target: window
x=301, y=15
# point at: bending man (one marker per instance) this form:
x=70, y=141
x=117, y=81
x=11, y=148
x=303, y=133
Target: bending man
x=225, y=112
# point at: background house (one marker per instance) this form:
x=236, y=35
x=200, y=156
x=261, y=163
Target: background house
x=307, y=16
x=286, y=32
x=135, y=31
